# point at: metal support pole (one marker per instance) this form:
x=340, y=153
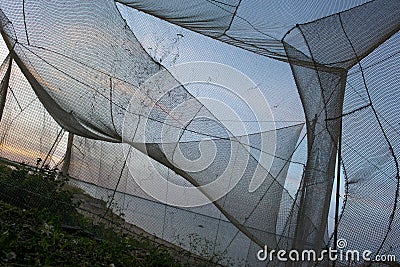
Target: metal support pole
x=67, y=158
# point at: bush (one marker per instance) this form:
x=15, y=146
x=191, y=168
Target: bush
x=40, y=226
x=27, y=189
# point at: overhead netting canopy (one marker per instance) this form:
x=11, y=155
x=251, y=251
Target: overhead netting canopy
x=257, y=26
x=131, y=120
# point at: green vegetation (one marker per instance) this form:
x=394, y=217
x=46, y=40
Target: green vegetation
x=40, y=226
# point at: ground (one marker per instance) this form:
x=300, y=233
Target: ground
x=47, y=222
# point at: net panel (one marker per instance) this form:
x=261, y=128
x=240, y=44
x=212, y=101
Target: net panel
x=369, y=130
x=334, y=44
x=257, y=26
x=25, y=138
x=96, y=97
x=102, y=164
x=90, y=72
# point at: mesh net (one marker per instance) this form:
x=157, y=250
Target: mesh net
x=257, y=26
x=370, y=156
x=25, y=138
x=102, y=164
x=79, y=67
x=322, y=90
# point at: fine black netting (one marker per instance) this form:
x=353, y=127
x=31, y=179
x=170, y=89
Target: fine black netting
x=370, y=156
x=257, y=26
x=76, y=68
x=340, y=44
x=91, y=99
x=16, y=119
x=102, y=164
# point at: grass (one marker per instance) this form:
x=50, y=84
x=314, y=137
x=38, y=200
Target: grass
x=40, y=226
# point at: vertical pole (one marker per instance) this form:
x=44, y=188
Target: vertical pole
x=338, y=169
x=67, y=158
x=4, y=86
x=53, y=147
